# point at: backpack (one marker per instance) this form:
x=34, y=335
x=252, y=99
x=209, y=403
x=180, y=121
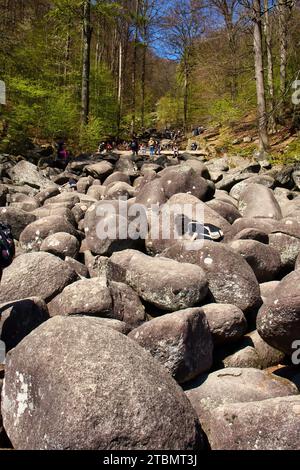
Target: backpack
x=7, y=246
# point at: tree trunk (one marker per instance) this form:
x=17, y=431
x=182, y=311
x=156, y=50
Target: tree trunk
x=86, y=62
x=120, y=85
x=134, y=63
x=234, y=83
x=268, y=36
x=143, y=79
x=259, y=75
x=185, y=98
x=67, y=55
x=284, y=9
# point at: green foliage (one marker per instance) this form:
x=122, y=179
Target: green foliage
x=290, y=155
x=224, y=111
x=169, y=111
x=104, y=105
x=60, y=116
x=91, y=134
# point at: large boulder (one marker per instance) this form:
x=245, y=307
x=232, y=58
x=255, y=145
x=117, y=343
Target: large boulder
x=225, y=210
x=257, y=200
x=236, y=385
x=127, y=306
x=52, y=209
x=109, y=393
x=35, y=233
x=18, y=319
x=264, y=180
x=61, y=244
x=288, y=246
x=117, y=176
x=47, y=193
x=267, y=289
x=166, y=227
x=151, y=194
x=64, y=199
x=119, y=190
x=23, y=202
x=125, y=165
x=252, y=234
x=184, y=179
x=246, y=357
x=278, y=321
x=265, y=225
x=78, y=267
x=164, y=283
x=263, y=259
x=230, y=278
x=84, y=183
x=181, y=341
x=25, y=172
x=107, y=228
x=17, y=219
x=35, y=275
x=92, y=297
x=100, y=170
x=227, y=323
x=84, y=297
x=268, y=356
x=271, y=424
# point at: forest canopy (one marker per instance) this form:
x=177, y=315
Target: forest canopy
x=84, y=70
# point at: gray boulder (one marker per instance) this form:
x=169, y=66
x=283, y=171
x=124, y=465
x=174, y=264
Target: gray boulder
x=234, y=385
x=230, y=278
x=245, y=357
x=100, y=170
x=162, y=282
x=227, y=323
x=267, y=289
x=84, y=297
x=107, y=228
x=61, y=244
x=268, y=356
x=263, y=259
x=35, y=275
x=121, y=399
x=225, y=210
x=27, y=173
x=51, y=191
x=278, y=320
x=258, y=201
x=117, y=176
x=181, y=341
x=271, y=424
x=35, y=233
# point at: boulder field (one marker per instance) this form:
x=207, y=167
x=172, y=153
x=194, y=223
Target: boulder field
x=122, y=328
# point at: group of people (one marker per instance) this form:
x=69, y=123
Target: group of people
x=197, y=131
x=153, y=145
x=173, y=135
